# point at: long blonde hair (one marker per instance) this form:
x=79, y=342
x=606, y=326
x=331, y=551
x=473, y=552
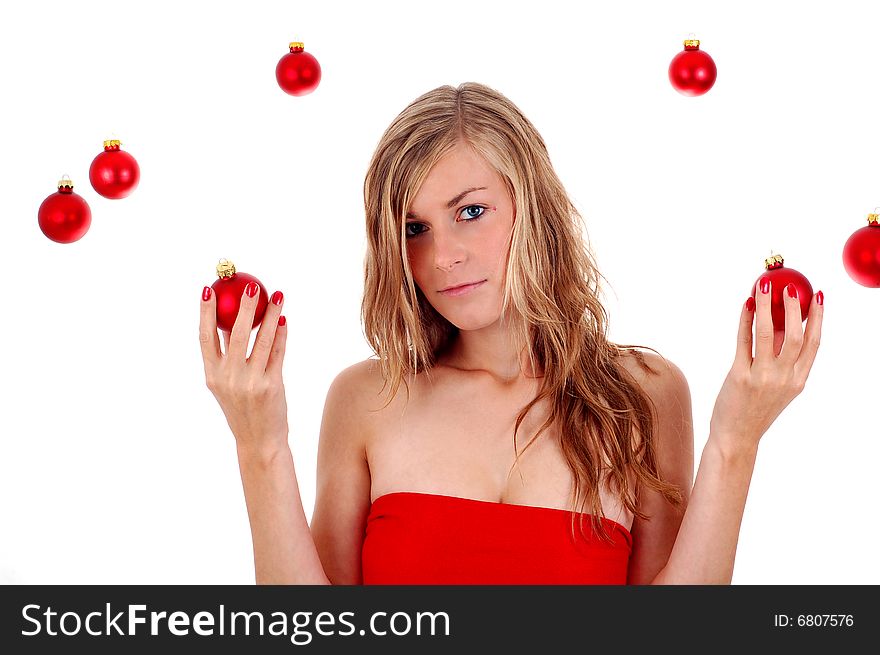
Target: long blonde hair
x=552, y=283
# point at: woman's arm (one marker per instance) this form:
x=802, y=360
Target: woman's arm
x=654, y=537
x=694, y=543
x=344, y=485
x=284, y=551
x=705, y=549
x=756, y=391
x=250, y=391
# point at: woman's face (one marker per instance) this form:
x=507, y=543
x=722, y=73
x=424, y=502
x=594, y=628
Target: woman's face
x=457, y=231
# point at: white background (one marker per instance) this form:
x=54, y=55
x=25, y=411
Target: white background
x=117, y=463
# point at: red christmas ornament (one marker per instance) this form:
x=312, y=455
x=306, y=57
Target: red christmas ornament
x=64, y=216
x=861, y=253
x=298, y=72
x=229, y=287
x=780, y=277
x=114, y=173
x=692, y=71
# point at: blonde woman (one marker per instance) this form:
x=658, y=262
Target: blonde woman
x=498, y=437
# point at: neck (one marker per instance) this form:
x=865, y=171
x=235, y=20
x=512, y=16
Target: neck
x=490, y=350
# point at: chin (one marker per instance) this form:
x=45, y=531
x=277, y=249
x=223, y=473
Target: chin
x=472, y=322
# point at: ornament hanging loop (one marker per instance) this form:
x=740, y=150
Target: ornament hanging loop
x=775, y=260
x=225, y=269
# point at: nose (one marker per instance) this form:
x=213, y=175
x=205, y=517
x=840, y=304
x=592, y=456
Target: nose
x=447, y=252
x=444, y=266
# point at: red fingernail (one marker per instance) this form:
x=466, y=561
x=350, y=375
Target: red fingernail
x=206, y=293
x=251, y=289
x=277, y=297
x=820, y=298
x=282, y=320
x=750, y=304
x=792, y=290
x=765, y=285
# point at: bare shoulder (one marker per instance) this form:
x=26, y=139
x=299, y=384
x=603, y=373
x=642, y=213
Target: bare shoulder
x=667, y=387
x=346, y=423
x=659, y=377
x=357, y=377
x=673, y=442
x=343, y=482
x=360, y=386
x=358, y=402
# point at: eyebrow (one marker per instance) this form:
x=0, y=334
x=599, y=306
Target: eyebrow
x=454, y=201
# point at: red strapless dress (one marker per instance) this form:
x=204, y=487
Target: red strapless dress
x=421, y=538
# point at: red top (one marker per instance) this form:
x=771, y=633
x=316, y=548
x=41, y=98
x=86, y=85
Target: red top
x=421, y=538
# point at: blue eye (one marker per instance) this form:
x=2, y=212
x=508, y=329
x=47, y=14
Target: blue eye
x=469, y=218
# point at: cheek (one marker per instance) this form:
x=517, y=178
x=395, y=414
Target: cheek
x=501, y=252
x=416, y=259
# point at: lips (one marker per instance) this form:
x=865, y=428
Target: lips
x=462, y=288
x=459, y=286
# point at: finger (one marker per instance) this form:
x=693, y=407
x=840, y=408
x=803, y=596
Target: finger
x=208, y=329
x=812, y=337
x=276, y=358
x=763, y=321
x=778, y=339
x=794, y=326
x=266, y=335
x=226, y=340
x=744, y=336
x=243, y=326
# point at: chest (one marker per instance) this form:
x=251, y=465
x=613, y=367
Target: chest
x=457, y=439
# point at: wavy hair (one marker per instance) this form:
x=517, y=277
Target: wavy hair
x=552, y=285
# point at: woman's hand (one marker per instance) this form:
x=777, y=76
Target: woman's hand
x=250, y=390
x=759, y=387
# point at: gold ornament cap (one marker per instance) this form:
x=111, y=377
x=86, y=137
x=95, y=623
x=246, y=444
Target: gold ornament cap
x=691, y=43
x=297, y=46
x=65, y=183
x=874, y=219
x=773, y=261
x=225, y=269
x=112, y=144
